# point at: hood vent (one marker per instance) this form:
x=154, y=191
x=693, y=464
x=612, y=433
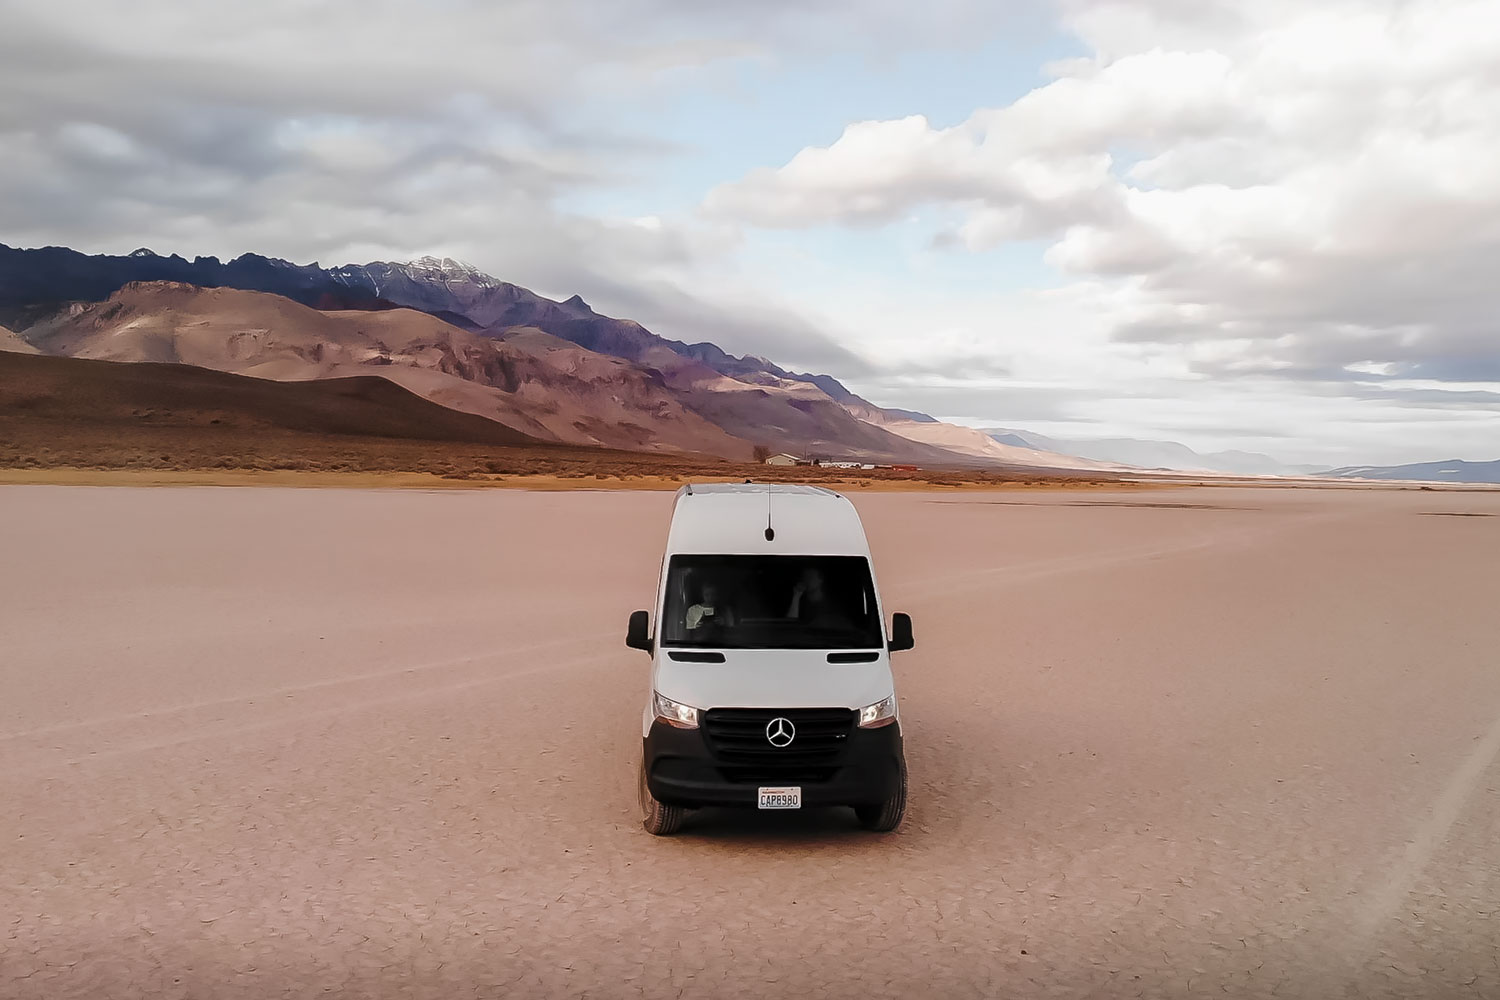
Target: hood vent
x=853, y=657
x=693, y=657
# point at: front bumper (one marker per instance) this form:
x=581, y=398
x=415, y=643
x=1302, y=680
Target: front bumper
x=682, y=770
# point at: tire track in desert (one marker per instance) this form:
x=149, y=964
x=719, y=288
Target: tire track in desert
x=1198, y=540
x=1384, y=901
x=96, y=746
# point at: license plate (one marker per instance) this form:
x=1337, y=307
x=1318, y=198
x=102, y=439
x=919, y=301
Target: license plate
x=789, y=797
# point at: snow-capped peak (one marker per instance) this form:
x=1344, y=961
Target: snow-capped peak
x=447, y=266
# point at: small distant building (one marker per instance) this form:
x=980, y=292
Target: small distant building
x=784, y=460
x=841, y=465
x=904, y=468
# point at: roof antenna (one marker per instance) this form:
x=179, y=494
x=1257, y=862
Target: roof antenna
x=770, y=531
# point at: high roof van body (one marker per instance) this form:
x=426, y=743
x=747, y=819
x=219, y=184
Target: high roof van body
x=771, y=683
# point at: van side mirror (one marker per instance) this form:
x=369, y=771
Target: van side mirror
x=638, y=634
x=901, y=632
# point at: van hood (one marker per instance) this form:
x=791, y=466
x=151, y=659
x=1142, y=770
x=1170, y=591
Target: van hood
x=774, y=678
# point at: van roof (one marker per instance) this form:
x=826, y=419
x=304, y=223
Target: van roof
x=731, y=519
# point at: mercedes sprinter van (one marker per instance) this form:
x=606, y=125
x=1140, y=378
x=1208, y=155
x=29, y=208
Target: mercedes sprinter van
x=771, y=682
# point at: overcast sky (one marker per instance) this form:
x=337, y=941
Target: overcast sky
x=1272, y=226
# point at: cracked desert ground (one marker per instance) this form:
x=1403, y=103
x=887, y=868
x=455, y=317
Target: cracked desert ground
x=291, y=742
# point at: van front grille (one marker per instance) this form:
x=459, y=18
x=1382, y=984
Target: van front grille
x=737, y=738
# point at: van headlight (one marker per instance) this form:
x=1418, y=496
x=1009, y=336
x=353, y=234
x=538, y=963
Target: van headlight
x=674, y=713
x=882, y=713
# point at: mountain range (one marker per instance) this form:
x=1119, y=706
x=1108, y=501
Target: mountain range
x=1147, y=454
x=1451, y=471
x=34, y=282
x=558, y=371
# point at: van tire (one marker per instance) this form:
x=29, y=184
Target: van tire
x=885, y=816
x=658, y=818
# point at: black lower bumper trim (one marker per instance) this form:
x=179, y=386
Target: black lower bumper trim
x=681, y=770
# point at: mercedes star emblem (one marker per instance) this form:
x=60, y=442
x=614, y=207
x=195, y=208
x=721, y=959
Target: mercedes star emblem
x=780, y=732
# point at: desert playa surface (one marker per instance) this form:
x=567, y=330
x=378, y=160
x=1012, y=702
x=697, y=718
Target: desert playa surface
x=286, y=742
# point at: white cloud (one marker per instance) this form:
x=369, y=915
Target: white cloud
x=1300, y=190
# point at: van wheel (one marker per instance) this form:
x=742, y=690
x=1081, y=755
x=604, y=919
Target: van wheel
x=659, y=819
x=887, y=815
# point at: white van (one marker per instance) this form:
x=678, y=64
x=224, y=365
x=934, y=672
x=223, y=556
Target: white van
x=771, y=681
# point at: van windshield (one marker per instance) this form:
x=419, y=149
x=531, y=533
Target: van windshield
x=771, y=602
